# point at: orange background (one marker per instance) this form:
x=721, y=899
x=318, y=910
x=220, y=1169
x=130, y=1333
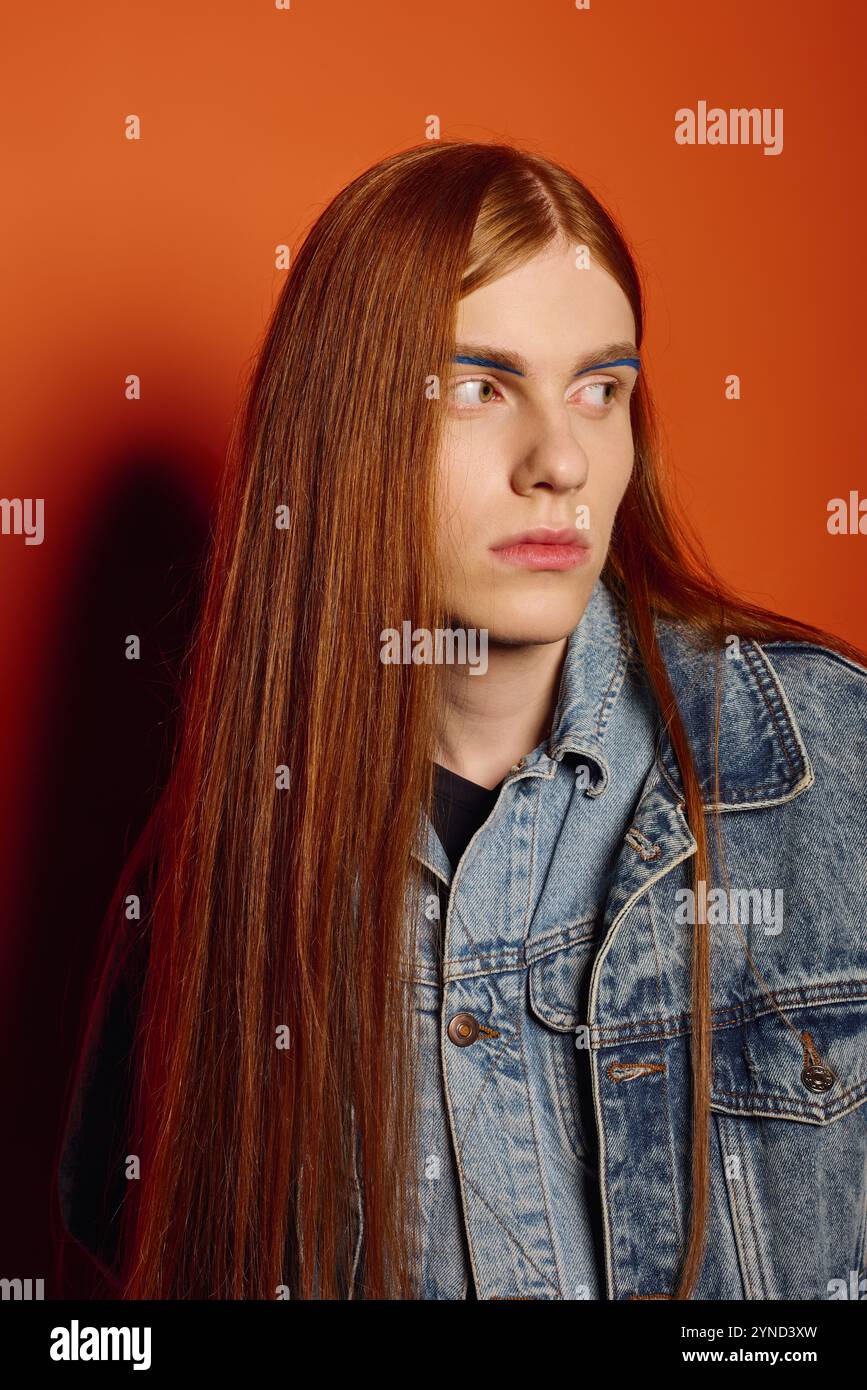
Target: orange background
x=156, y=257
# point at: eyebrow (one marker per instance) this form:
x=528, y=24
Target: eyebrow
x=622, y=354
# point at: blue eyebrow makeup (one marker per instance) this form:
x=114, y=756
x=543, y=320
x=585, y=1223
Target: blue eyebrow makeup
x=501, y=366
x=487, y=362
x=618, y=362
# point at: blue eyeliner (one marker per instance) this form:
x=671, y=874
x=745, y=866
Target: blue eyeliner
x=501, y=366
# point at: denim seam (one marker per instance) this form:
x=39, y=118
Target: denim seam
x=750, y=1198
x=751, y=1270
x=668, y=1109
x=608, y=1224
x=531, y=869
x=763, y=678
x=459, y=1149
x=612, y=691
x=567, y=1095
x=615, y=684
x=777, y=792
x=734, y=1210
x=556, y=937
x=508, y=958
x=511, y=958
x=539, y=1165
x=729, y=1017
x=861, y=1245
x=748, y=1099
x=548, y=1011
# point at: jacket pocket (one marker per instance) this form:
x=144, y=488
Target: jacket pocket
x=790, y=1132
x=557, y=976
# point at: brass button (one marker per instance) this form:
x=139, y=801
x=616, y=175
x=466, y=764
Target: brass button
x=815, y=1075
x=463, y=1029
x=818, y=1078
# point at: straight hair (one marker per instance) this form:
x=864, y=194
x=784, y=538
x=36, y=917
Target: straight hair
x=276, y=1043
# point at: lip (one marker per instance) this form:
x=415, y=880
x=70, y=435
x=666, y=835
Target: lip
x=544, y=548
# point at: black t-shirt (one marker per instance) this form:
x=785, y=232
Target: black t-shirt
x=459, y=808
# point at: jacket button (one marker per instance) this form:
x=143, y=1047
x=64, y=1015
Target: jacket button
x=463, y=1029
x=818, y=1078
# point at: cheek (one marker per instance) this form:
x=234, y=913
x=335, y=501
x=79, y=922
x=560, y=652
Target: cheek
x=612, y=475
x=623, y=475
x=463, y=484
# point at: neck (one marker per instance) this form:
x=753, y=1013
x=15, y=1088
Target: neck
x=489, y=721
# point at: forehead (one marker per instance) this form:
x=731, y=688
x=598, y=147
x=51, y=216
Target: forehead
x=547, y=309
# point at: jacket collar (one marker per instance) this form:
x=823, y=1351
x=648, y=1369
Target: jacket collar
x=594, y=667
x=762, y=757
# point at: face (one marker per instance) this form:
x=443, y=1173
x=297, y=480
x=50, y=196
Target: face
x=535, y=461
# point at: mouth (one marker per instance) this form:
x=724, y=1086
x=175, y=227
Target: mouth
x=544, y=548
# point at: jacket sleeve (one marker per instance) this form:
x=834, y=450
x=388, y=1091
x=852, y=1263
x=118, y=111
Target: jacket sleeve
x=97, y=1138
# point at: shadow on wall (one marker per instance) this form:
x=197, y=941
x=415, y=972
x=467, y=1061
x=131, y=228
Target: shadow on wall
x=103, y=760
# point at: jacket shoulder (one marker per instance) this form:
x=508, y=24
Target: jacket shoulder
x=797, y=663
x=781, y=708
x=823, y=662
x=827, y=692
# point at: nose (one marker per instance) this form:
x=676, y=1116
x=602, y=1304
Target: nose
x=551, y=457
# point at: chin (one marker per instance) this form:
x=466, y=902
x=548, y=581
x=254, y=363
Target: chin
x=535, y=635
x=534, y=624
x=540, y=616
x=526, y=614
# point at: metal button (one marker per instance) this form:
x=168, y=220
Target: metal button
x=818, y=1078
x=463, y=1029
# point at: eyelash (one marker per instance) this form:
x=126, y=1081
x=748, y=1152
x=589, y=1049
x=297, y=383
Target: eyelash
x=616, y=383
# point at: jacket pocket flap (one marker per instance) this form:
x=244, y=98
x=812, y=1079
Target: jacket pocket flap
x=815, y=1073
x=557, y=978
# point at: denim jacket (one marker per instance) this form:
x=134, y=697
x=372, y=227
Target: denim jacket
x=552, y=996
x=533, y=979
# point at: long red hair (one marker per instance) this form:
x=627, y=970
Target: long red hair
x=284, y=902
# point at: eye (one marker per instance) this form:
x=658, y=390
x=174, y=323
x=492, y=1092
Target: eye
x=601, y=402
x=486, y=389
